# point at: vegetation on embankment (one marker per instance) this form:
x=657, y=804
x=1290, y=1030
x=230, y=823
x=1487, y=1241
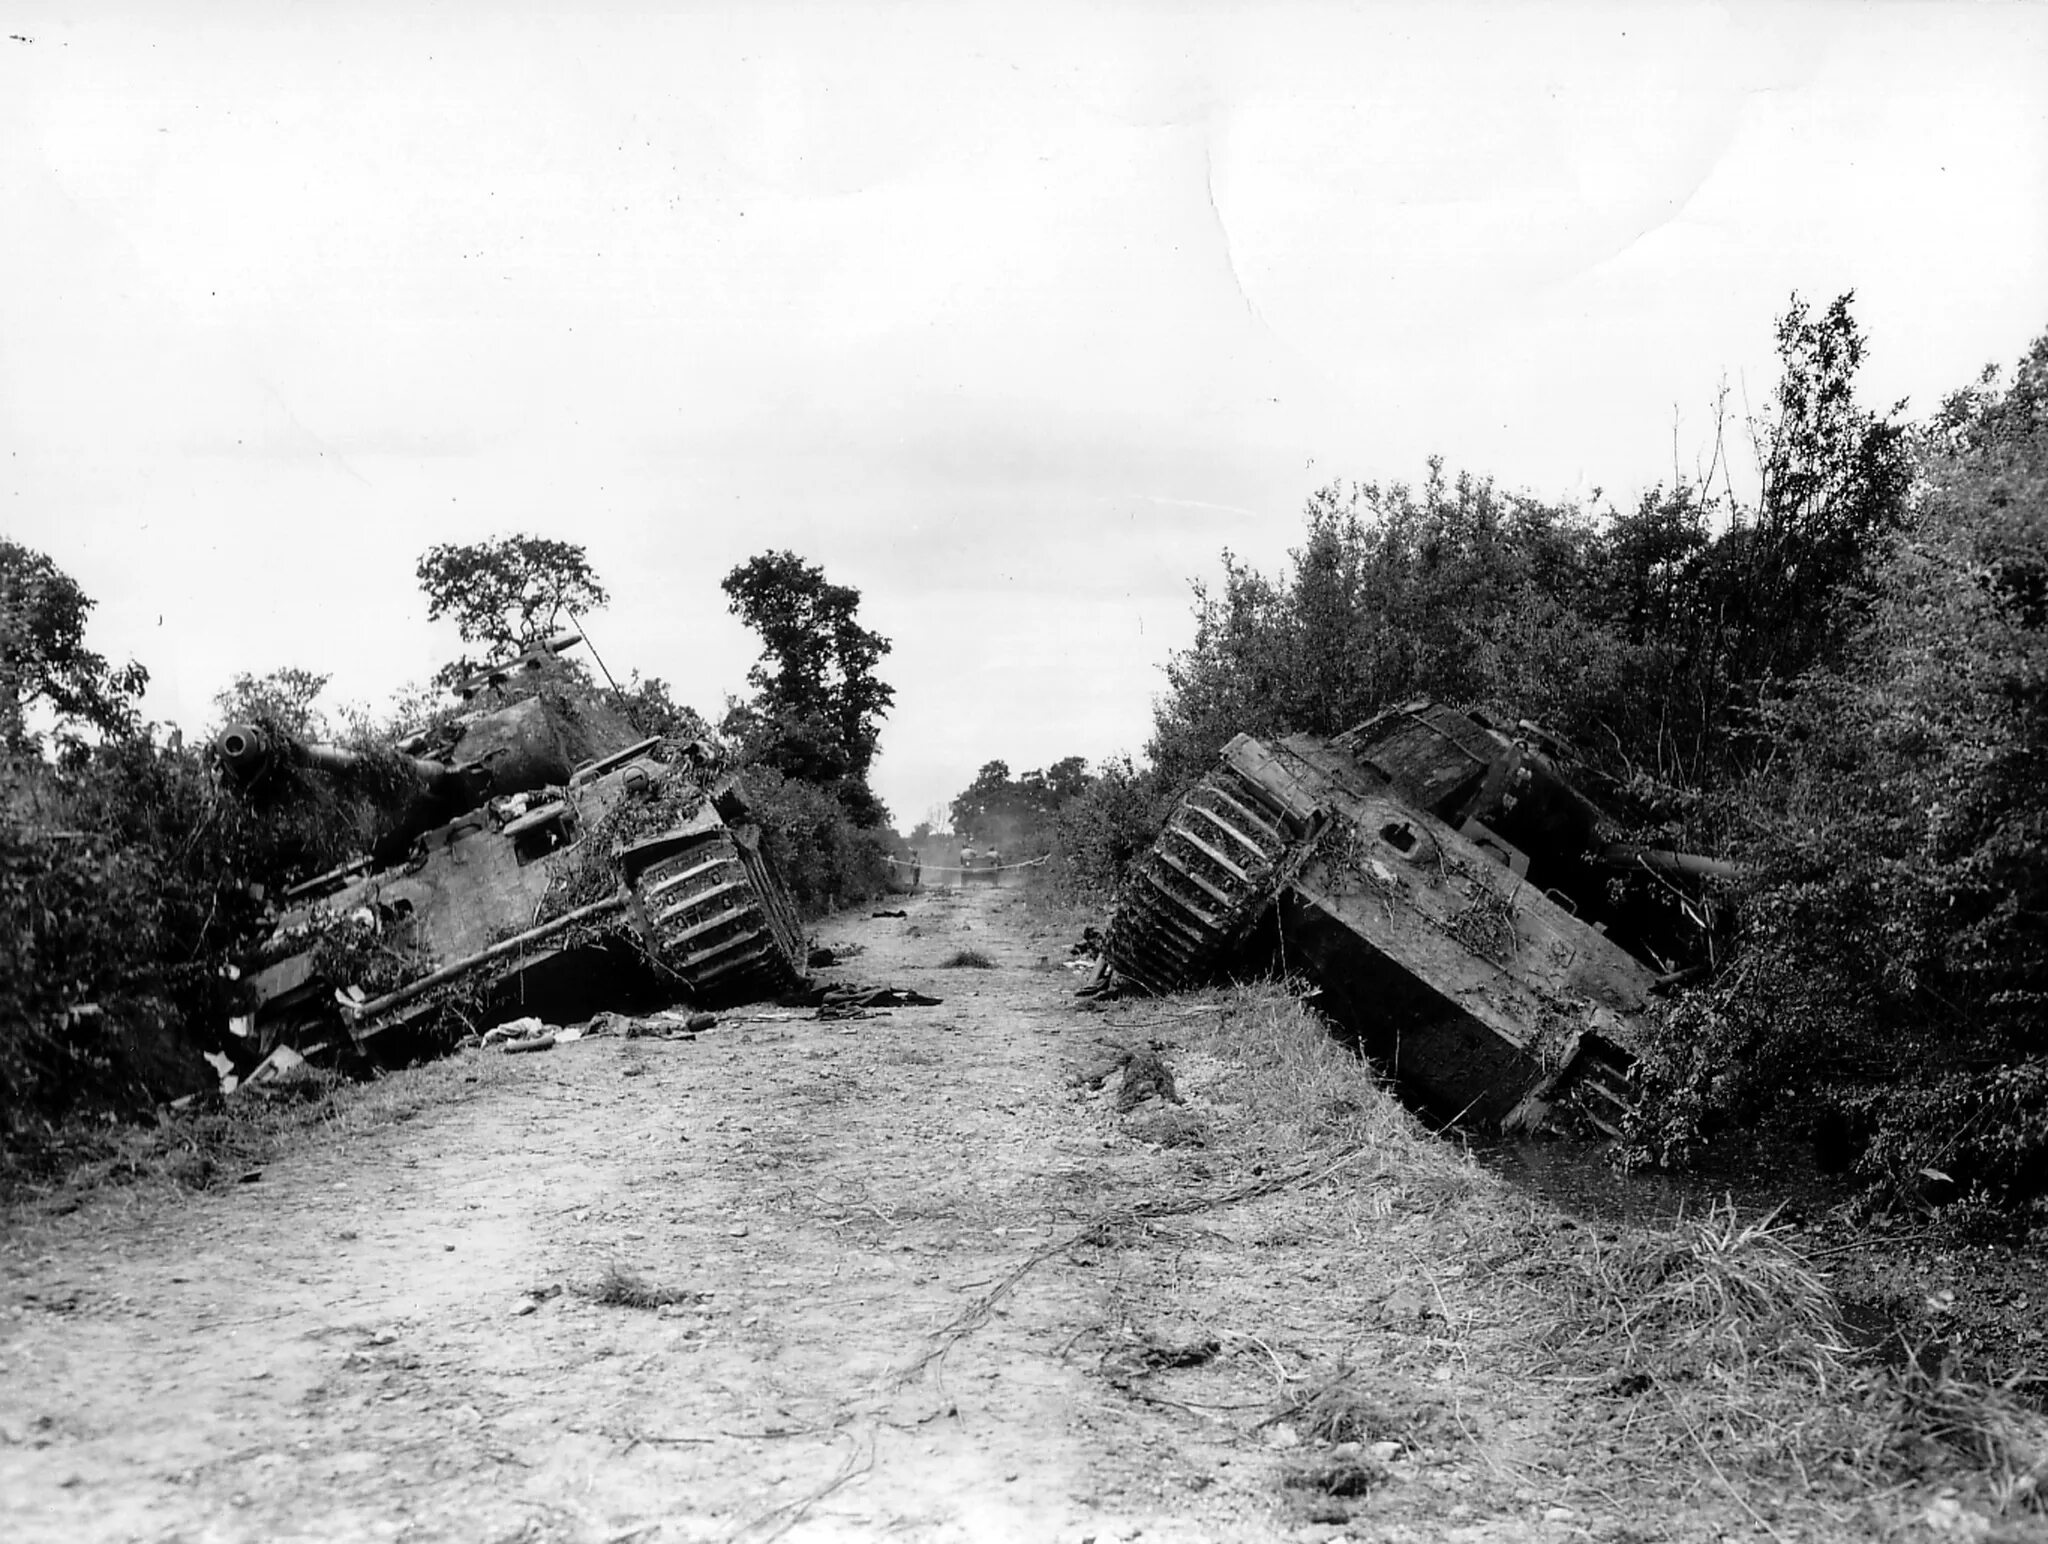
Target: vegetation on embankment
x=1842, y=680
x=1687, y=1379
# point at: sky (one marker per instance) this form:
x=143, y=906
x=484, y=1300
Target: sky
x=1013, y=318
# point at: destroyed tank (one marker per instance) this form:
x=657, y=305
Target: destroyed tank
x=538, y=851
x=1440, y=883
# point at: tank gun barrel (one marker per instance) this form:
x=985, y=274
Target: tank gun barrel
x=1663, y=861
x=249, y=750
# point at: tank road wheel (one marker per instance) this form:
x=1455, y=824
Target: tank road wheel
x=1598, y=1087
x=714, y=913
x=1200, y=888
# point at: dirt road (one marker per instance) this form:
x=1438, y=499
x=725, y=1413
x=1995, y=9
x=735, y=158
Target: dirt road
x=905, y=1277
x=396, y=1337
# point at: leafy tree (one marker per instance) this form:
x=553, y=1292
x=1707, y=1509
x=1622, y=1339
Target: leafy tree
x=1017, y=813
x=650, y=707
x=1893, y=974
x=1455, y=591
x=1115, y=816
x=43, y=657
x=510, y=590
x=282, y=699
x=818, y=704
x=1834, y=479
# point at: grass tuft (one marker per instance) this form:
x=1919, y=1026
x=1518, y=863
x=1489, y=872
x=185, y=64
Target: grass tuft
x=1710, y=1296
x=1344, y=1407
x=1923, y=1423
x=967, y=959
x=622, y=1288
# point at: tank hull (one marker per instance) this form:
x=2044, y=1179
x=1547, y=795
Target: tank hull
x=1427, y=944
x=484, y=899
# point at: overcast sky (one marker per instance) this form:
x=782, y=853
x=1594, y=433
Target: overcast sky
x=1011, y=317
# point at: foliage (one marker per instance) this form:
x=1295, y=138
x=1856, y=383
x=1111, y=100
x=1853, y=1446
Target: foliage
x=1894, y=964
x=818, y=706
x=1845, y=683
x=43, y=658
x=282, y=698
x=1643, y=636
x=650, y=707
x=509, y=590
x=1100, y=830
x=1456, y=591
x=827, y=860
x=1017, y=814
x=115, y=905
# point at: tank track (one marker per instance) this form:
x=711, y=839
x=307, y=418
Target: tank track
x=715, y=914
x=1189, y=900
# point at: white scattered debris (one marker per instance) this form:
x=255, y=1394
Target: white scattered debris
x=280, y=1066
x=517, y=1029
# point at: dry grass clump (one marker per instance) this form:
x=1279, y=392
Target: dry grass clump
x=967, y=959
x=1714, y=1339
x=1295, y=1080
x=1347, y=1407
x=619, y=1287
x=1710, y=1297
x=1922, y=1424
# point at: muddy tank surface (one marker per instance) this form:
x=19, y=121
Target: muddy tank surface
x=1434, y=877
x=536, y=855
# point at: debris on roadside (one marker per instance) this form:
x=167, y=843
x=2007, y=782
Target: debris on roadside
x=283, y=1074
x=537, y=1043
x=1146, y=1076
x=857, y=1002
x=1154, y=1352
x=528, y=1028
x=533, y=1297
x=670, y=1024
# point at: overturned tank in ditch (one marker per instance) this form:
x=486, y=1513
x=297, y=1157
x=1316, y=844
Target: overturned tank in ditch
x=1442, y=885
x=533, y=852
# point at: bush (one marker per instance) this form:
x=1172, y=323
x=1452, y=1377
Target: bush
x=825, y=859
x=1100, y=830
x=1892, y=973
x=115, y=914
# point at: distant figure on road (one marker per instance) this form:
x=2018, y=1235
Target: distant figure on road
x=995, y=867
x=967, y=857
x=916, y=867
